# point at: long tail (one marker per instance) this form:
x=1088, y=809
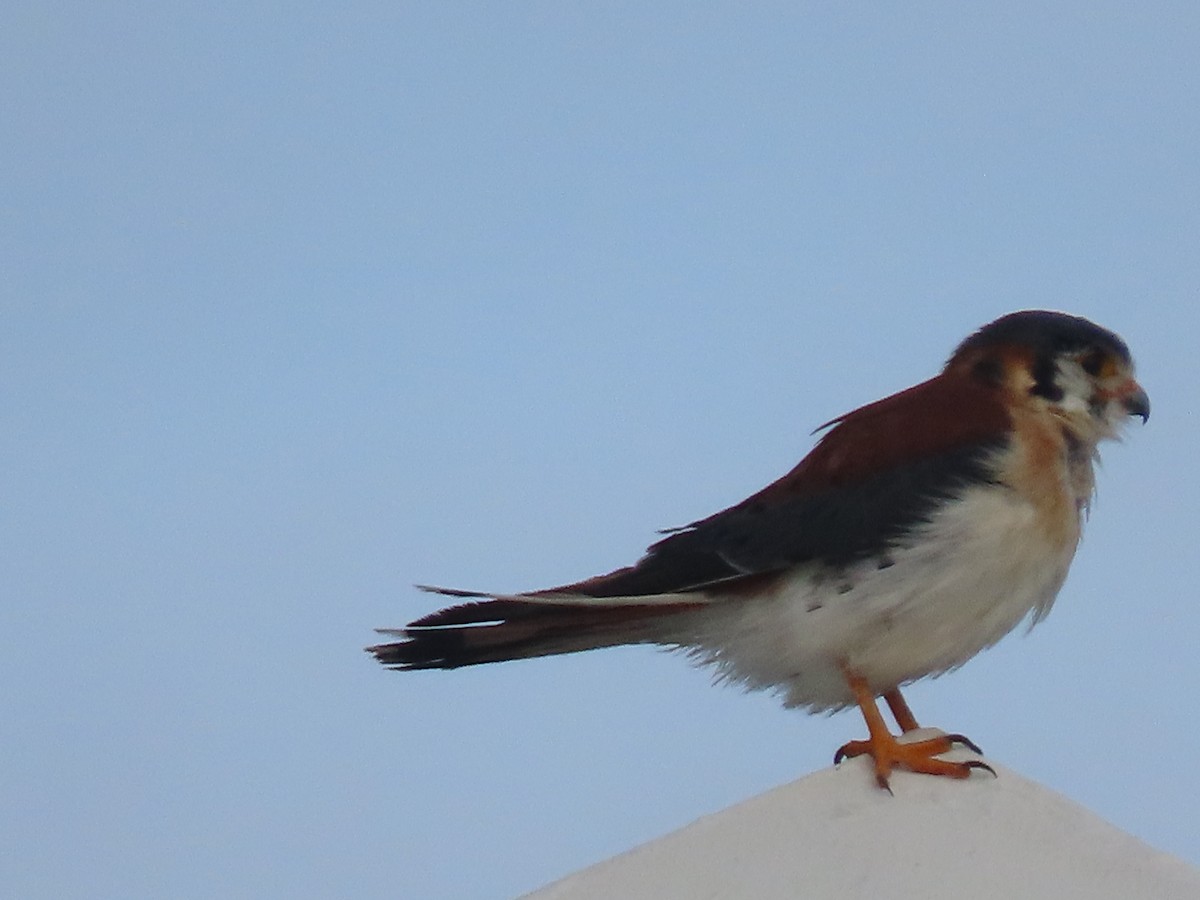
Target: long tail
x=494, y=628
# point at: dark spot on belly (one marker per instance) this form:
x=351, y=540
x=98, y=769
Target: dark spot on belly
x=885, y=562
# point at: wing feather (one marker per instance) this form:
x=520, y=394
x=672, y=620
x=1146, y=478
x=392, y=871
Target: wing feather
x=878, y=471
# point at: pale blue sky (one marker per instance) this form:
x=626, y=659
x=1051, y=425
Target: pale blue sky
x=303, y=304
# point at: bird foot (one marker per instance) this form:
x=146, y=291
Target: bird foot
x=889, y=753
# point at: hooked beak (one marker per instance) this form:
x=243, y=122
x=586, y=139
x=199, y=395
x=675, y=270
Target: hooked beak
x=1136, y=401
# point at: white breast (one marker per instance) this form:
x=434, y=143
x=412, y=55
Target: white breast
x=954, y=587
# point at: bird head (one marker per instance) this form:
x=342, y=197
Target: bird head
x=1068, y=367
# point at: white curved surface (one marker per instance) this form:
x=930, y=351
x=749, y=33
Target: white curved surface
x=833, y=834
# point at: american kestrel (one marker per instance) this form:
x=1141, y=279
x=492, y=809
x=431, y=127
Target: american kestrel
x=921, y=529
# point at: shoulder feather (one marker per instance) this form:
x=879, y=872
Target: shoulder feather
x=875, y=473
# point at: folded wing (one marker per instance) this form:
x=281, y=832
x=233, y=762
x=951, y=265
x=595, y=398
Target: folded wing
x=875, y=474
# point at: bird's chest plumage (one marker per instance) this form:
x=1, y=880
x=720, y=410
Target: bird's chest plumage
x=947, y=589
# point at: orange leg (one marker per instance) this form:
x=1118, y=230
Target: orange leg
x=899, y=707
x=908, y=722
x=888, y=753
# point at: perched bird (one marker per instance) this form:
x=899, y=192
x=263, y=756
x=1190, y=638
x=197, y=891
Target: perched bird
x=921, y=529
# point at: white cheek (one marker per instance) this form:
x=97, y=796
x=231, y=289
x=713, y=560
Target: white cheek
x=1077, y=388
x=1075, y=404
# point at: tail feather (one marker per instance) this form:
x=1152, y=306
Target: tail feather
x=522, y=626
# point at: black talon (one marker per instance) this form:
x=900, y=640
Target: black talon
x=965, y=741
x=980, y=764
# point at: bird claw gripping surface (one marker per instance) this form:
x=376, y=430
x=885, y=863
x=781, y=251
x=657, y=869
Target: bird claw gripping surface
x=918, y=756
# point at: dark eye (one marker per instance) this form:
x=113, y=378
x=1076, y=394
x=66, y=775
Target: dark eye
x=1093, y=361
